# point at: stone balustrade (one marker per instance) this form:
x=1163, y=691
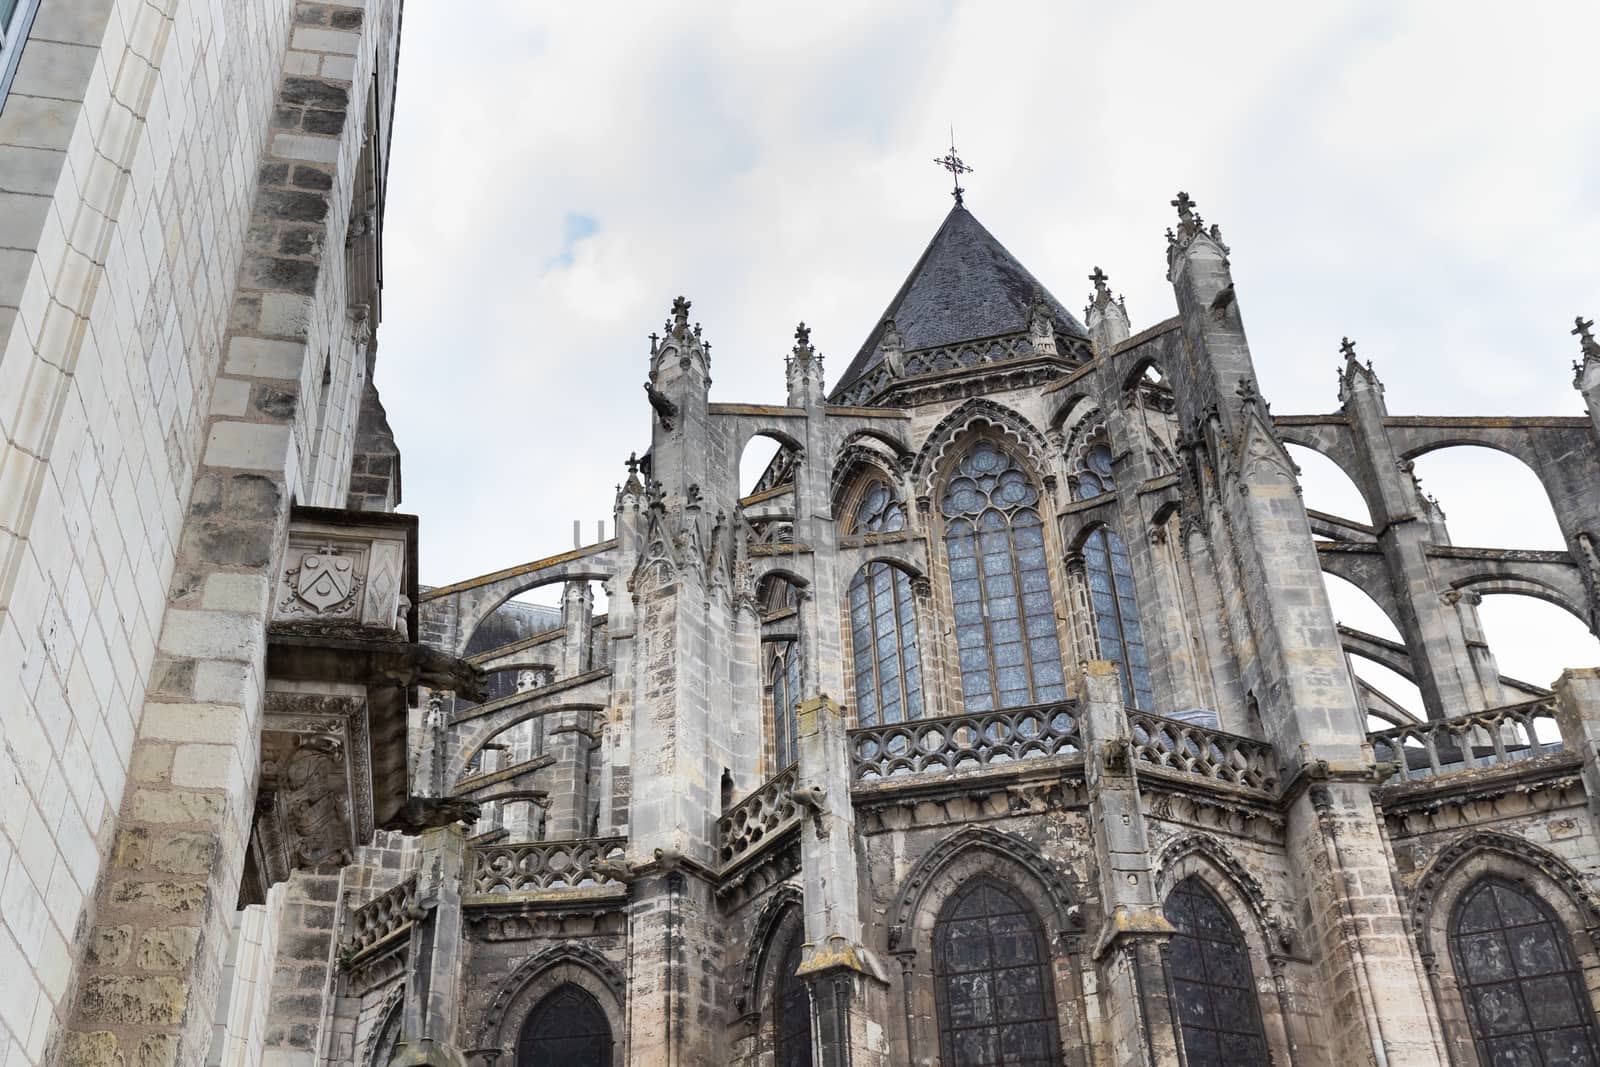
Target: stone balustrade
x=380, y=919
x=535, y=866
x=1201, y=751
x=759, y=817
x=1467, y=742
x=964, y=742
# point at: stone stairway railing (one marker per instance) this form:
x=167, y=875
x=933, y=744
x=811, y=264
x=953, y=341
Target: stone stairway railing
x=532, y=866
x=383, y=917
x=758, y=817
x=964, y=742
x=1467, y=742
x=1198, y=750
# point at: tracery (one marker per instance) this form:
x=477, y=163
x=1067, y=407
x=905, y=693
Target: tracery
x=883, y=627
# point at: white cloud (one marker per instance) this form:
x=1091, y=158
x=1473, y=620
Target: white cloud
x=1416, y=176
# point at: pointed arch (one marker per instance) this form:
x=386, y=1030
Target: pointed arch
x=1212, y=979
x=1007, y=640
x=780, y=906
x=569, y=964
x=975, y=416
x=981, y=856
x=566, y=1026
x=1057, y=892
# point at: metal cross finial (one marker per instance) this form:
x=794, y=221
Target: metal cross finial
x=952, y=163
x=1347, y=348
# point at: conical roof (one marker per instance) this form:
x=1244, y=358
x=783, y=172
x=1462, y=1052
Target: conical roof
x=964, y=287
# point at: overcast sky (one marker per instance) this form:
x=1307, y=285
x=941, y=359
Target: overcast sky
x=1420, y=177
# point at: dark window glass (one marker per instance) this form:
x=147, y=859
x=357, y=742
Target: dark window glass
x=1525, y=998
x=784, y=677
x=992, y=980
x=1211, y=976
x=791, y=1009
x=565, y=1029
x=1094, y=476
x=1004, y=619
x=1116, y=614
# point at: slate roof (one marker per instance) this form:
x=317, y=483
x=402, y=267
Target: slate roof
x=965, y=286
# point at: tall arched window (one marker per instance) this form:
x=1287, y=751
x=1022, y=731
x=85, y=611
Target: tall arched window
x=1116, y=614
x=992, y=980
x=791, y=1008
x=1110, y=576
x=1211, y=977
x=1004, y=617
x=784, y=677
x=1525, y=998
x=883, y=625
x=565, y=1029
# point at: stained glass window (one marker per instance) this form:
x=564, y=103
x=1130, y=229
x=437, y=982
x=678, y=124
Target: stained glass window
x=1004, y=617
x=1094, y=473
x=565, y=1029
x=791, y=1009
x=1211, y=977
x=1525, y=999
x=15, y=17
x=883, y=626
x=1116, y=614
x=992, y=981
x=784, y=677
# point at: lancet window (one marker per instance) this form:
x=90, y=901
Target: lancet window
x=791, y=1008
x=1004, y=616
x=992, y=980
x=1525, y=997
x=1111, y=591
x=883, y=626
x=1213, y=982
x=567, y=1028
x=784, y=677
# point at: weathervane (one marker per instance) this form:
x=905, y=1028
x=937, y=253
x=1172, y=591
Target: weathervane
x=952, y=163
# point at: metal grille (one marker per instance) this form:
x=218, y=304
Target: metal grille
x=999, y=581
x=992, y=978
x=1211, y=978
x=566, y=1029
x=791, y=1010
x=1525, y=998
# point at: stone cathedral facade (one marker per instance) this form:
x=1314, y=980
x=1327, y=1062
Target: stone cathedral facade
x=1005, y=722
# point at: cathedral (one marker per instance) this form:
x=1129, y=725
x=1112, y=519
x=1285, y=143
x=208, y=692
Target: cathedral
x=1003, y=722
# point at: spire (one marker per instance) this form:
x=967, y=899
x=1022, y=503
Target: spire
x=1107, y=318
x=965, y=287
x=1190, y=227
x=1586, y=373
x=1356, y=376
x=803, y=370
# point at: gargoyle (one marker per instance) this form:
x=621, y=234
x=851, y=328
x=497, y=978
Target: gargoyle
x=809, y=797
x=665, y=409
x=429, y=813
x=613, y=870
x=440, y=670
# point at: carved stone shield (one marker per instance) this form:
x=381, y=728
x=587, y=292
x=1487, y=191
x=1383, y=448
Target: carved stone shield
x=325, y=579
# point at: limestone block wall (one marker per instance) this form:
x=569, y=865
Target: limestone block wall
x=129, y=144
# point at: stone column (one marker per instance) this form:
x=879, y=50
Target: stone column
x=1578, y=711
x=849, y=990
x=303, y=970
x=158, y=931
x=433, y=964
x=1130, y=949
x=1434, y=632
x=1292, y=662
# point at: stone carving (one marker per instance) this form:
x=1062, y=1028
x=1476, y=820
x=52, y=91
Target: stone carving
x=1466, y=742
x=543, y=865
x=323, y=582
x=964, y=742
x=760, y=817
x=1191, y=749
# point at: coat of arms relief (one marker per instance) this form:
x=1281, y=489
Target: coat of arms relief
x=322, y=582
